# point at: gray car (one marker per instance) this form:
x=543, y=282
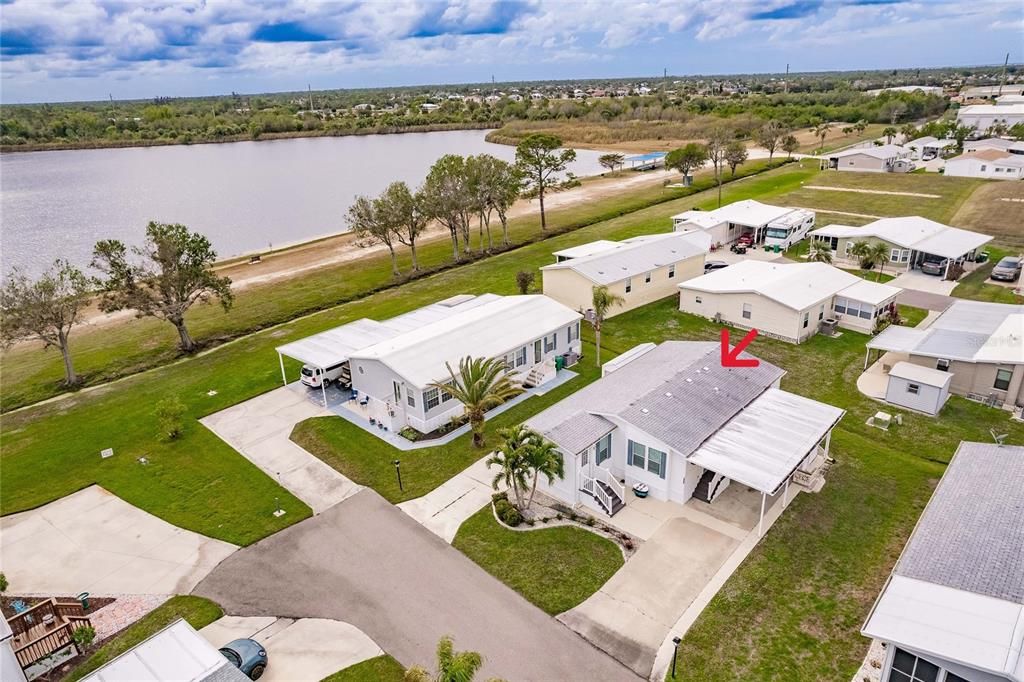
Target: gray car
x=1008, y=269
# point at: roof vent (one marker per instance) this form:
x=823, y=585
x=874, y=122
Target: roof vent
x=705, y=369
x=716, y=389
x=668, y=394
x=689, y=380
x=644, y=410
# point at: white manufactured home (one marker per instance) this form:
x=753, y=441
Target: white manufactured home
x=673, y=422
x=887, y=158
x=638, y=270
x=764, y=223
x=788, y=301
x=991, y=164
x=389, y=366
x=953, y=608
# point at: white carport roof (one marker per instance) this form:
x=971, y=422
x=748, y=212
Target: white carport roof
x=334, y=346
x=763, y=444
x=747, y=212
x=898, y=339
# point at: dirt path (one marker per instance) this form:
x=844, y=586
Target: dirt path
x=873, y=191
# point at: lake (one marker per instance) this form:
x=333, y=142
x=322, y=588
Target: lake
x=244, y=196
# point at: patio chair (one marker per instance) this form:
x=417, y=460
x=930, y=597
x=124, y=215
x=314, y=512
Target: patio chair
x=364, y=401
x=354, y=396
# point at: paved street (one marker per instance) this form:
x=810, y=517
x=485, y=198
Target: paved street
x=367, y=563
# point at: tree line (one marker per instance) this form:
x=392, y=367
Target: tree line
x=458, y=191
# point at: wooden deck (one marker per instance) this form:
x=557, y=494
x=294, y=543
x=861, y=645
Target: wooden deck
x=45, y=628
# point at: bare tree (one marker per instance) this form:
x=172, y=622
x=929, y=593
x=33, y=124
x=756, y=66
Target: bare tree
x=371, y=227
x=163, y=279
x=769, y=137
x=45, y=309
x=716, y=145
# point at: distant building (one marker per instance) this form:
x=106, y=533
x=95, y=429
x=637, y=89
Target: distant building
x=983, y=116
x=993, y=91
x=997, y=143
x=986, y=163
x=929, y=147
x=879, y=159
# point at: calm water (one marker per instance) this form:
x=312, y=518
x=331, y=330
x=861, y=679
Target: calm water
x=245, y=196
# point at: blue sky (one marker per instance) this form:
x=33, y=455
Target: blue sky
x=52, y=50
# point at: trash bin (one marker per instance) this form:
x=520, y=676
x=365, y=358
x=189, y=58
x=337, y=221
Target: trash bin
x=84, y=598
x=559, y=362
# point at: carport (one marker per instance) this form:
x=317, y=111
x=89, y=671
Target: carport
x=952, y=244
x=334, y=346
x=894, y=339
x=764, y=445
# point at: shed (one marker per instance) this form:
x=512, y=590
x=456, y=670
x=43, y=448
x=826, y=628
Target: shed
x=917, y=387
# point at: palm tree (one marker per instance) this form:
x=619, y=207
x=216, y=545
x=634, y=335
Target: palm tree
x=602, y=301
x=819, y=251
x=889, y=132
x=861, y=125
x=821, y=131
x=480, y=385
x=541, y=456
x=510, y=459
x=452, y=666
x=860, y=249
x=878, y=253
x=909, y=132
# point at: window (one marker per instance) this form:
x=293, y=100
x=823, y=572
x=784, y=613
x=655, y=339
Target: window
x=821, y=312
x=550, y=343
x=410, y=398
x=983, y=166
x=894, y=255
x=1003, y=377
x=866, y=311
x=585, y=458
x=537, y=353
x=604, y=448
x=637, y=454
x=907, y=667
x=647, y=278
x=942, y=365
x=656, y=462
x=629, y=285
x=672, y=271
x=431, y=398
x=950, y=677
x=746, y=311
x=840, y=306
x=698, y=299
x=445, y=395
x=397, y=390
x=521, y=357
x=573, y=332
x=913, y=388
x=807, y=317
x=999, y=169
x=849, y=248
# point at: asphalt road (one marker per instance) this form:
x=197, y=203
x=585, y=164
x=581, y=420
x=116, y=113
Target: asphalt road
x=366, y=562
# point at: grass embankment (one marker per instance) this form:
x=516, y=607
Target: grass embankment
x=197, y=611
x=995, y=208
x=198, y=482
x=836, y=138
x=105, y=353
x=380, y=669
x=973, y=286
x=553, y=568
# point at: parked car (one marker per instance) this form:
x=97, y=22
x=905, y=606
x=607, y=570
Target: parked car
x=247, y=655
x=714, y=265
x=1008, y=269
x=934, y=267
x=746, y=239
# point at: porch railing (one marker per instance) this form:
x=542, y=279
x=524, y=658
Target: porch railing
x=609, y=480
x=45, y=628
x=590, y=486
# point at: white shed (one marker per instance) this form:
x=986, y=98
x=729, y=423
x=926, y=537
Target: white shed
x=918, y=388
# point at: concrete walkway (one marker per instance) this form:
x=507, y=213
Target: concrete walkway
x=93, y=541
x=369, y=564
x=924, y=299
x=445, y=508
x=260, y=428
x=303, y=650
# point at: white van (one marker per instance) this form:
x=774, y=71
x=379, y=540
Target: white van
x=313, y=376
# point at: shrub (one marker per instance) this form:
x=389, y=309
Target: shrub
x=170, y=417
x=83, y=636
x=628, y=544
x=512, y=517
x=590, y=521
x=499, y=496
x=3, y=583
x=529, y=522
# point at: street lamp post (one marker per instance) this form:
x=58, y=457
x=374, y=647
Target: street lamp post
x=398, y=472
x=675, y=654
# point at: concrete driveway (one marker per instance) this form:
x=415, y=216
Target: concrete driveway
x=260, y=428
x=917, y=280
x=445, y=508
x=367, y=563
x=304, y=650
x=94, y=541
x=924, y=299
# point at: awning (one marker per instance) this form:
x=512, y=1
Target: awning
x=898, y=339
x=334, y=346
x=764, y=444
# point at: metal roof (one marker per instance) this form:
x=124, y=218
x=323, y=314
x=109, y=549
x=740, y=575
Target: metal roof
x=920, y=374
x=499, y=326
x=971, y=331
x=885, y=151
x=957, y=591
x=588, y=249
x=334, y=346
x=748, y=212
x=177, y=653
x=897, y=339
x=637, y=256
x=794, y=285
x=763, y=444
x=913, y=232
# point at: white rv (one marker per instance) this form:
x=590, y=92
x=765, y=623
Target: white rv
x=788, y=229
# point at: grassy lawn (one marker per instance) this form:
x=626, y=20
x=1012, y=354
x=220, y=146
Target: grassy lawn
x=200, y=483
x=104, y=353
x=952, y=192
x=554, y=568
x=988, y=212
x=836, y=138
x=912, y=316
x=872, y=275
x=197, y=611
x=380, y=669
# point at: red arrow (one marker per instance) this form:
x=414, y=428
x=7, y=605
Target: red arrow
x=731, y=358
